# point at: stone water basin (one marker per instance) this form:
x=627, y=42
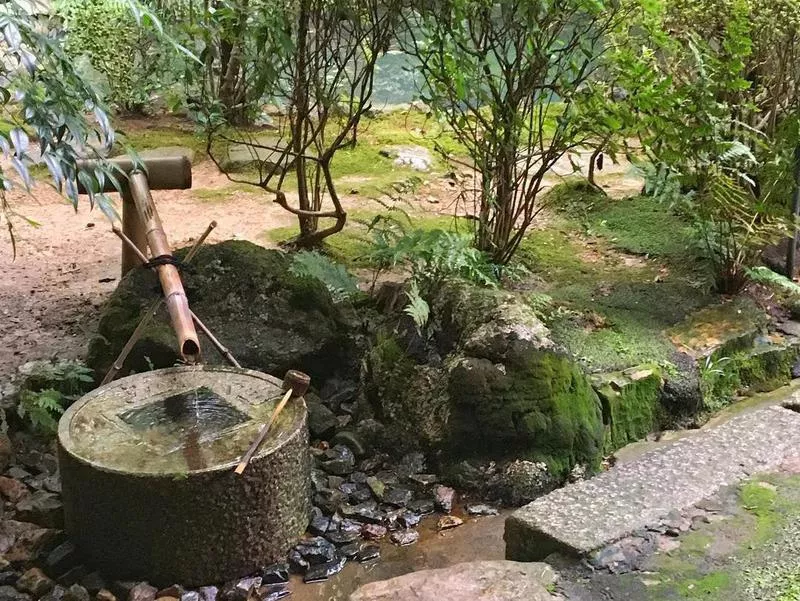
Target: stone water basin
x=149, y=489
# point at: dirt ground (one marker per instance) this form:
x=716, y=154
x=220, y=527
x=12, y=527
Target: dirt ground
x=51, y=293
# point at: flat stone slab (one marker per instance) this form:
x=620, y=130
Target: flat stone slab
x=471, y=581
x=588, y=515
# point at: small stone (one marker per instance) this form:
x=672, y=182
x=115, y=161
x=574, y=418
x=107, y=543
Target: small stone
x=481, y=510
x=388, y=477
x=377, y=487
x=208, y=593
x=176, y=599
x=57, y=594
x=368, y=553
x=340, y=537
x=399, y=497
x=323, y=571
x=336, y=482
x=667, y=544
x=329, y=500
x=53, y=484
x=62, y=558
x=392, y=519
x=175, y=590
x=42, y=508
x=412, y=463
x=35, y=582
x=364, y=512
x=405, y=537
x=319, y=480
x=409, y=519
x=351, y=441
x=448, y=522
x=338, y=461
x=273, y=592
x=358, y=477
x=143, y=592
x=421, y=506
x=9, y=593
x=373, y=531
x=316, y=550
x=8, y=577
x=106, y=595
x=319, y=525
x=6, y=451
x=297, y=563
x=18, y=473
x=321, y=420
x=444, y=496
x=351, y=550
x=13, y=490
x=361, y=495
x=423, y=481
x=77, y=574
x=77, y=593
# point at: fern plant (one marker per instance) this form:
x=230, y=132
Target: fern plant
x=50, y=387
x=341, y=284
x=41, y=409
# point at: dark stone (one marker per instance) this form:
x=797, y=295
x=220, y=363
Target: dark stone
x=338, y=460
x=77, y=574
x=422, y=506
x=681, y=396
x=361, y=494
x=423, y=481
x=8, y=577
x=405, y=537
x=444, y=497
x=323, y=571
x=359, y=477
x=388, y=477
x=275, y=573
x=62, y=558
x=481, y=510
x=796, y=370
x=269, y=318
x=239, y=590
x=77, y=593
x=17, y=473
x=364, y=512
x=35, y=582
x=13, y=490
x=352, y=441
x=409, y=520
x=42, y=508
x=319, y=525
x=321, y=420
x=392, y=518
x=273, y=592
x=349, y=488
x=351, y=550
x=208, y=593
x=316, y=550
x=9, y=593
x=329, y=500
x=319, y=479
x=93, y=582
x=297, y=562
x=411, y=463
x=368, y=553
x=340, y=537
x=399, y=497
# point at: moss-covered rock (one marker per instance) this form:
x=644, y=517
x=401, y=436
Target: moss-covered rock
x=490, y=384
x=631, y=404
x=270, y=319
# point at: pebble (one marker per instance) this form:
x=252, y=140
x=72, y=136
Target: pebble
x=338, y=461
x=323, y=571
x=36, y=582
x=409, y=519
x=62, y=558
x=57, y=594
x=351, y=550
x=107, y=595
x=399, y=497
x=359, y=477
x=376, y=486
x=361, y=494
x=444, y=496
x=142, y=592
x=351, y=441
x=373, y=531
x=368, y=553
x=329, y=500
x=275, y=573
x=340, y=537
x=77, y=593
x=448, y=522
x=175, y=590
x=94, y=582
x=297, y=562
x=481, y=510
x=423, y=480
x=8, y=577
x=42, y=508
x=405, y=537
x=319, y=525
x=13, y=490
x=9, y=593
x=421, y=506
x=316, y=550
x=208, y=593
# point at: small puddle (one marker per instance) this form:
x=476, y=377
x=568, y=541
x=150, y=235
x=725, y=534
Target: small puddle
x=479, y=538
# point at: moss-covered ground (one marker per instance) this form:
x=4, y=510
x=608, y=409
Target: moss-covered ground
x=614, y=275
x=748, y=554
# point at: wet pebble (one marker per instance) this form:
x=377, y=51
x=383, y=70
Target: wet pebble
x=319, y=479
x=399, y=497
x=423, y=481
x=323, y=571
x=208, y=593
x=409, y=519
x=373, y=531
x=297, y=562
x=351, y=550
x=319, y=525
x=481, y=510
x=35, y=582
x=448, y=522
x=339, y=537
x=421, y=506
x=368, y=553
x=275, y=573
x=273, y=592
x=316, y=550
x=405, y=537
x=364, y=512
x=361, y=494
x=329, y=500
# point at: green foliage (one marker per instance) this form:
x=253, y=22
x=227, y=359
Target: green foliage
x=49, y=388
x=337, y=280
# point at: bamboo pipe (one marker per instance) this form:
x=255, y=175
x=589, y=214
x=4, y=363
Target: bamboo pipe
x=150, y=313
x=174, y=294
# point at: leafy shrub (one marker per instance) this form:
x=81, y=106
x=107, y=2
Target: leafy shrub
x=336, y=278
x=49, y=388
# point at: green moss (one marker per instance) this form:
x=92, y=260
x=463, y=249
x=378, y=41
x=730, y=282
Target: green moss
x=709, y=585
x=140, y=139
x=760, y=499
x=221, y=195
x=630, y=404
x=542, y=409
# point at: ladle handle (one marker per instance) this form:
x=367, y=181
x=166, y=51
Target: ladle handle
x=262, y=434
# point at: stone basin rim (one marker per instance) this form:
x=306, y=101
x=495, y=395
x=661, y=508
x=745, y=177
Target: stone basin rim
x=63, y=433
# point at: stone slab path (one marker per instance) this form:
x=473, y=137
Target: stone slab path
x=585, y=516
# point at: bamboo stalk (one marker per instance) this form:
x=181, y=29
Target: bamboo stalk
x=151, y=312
x=175, y=295
x=130, y=244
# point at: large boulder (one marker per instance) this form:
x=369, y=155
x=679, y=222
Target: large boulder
x=270, y=319
x=489, y=384
x=472, y=581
